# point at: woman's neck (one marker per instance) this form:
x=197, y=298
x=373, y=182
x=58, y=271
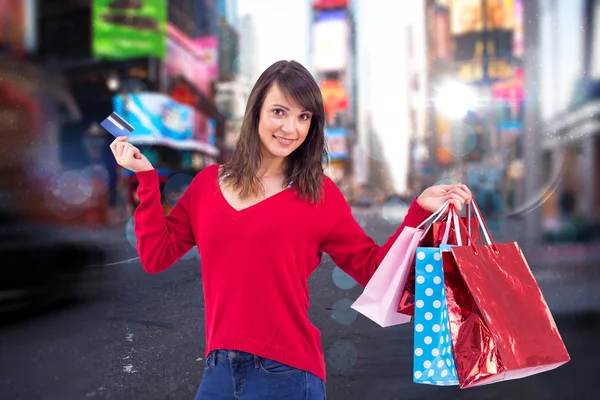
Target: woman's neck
x=272, y=167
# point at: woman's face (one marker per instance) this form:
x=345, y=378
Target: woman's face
x=282, y=126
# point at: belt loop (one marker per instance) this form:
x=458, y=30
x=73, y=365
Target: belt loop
x=213, y=359
x=256, y=362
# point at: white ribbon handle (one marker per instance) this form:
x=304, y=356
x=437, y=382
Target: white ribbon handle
x=447, y=230
x=469, y=216
x=456, y=227
x=486, y=234
x=452, y=219
x=438, y=212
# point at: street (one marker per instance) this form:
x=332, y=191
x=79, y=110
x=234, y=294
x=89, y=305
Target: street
x=139, y=336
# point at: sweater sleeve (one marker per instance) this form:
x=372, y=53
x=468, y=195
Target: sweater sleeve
x=354, y=251
x=161, y=240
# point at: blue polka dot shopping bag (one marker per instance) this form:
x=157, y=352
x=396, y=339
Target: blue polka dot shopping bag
x=433, y=360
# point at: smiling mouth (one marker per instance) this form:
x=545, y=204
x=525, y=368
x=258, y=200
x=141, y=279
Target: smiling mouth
x=283, y=140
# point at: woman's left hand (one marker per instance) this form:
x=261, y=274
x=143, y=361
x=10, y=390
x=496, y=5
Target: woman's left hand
x=434, y=197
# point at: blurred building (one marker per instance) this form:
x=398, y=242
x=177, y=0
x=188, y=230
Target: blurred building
x=333, y=60
x=157, y=65
x=420, y=172
x=474, y=109
x=237, y=64
x=248, y=56
x=229, y=47
x=378, y=185
x=227, y=10
x=569, y=98
x=231, y=99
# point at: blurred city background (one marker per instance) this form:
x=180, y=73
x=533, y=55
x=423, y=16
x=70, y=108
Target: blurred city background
x=501, y=95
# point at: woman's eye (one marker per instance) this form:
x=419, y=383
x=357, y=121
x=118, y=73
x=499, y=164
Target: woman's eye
x=278, y=111
x=305, y=117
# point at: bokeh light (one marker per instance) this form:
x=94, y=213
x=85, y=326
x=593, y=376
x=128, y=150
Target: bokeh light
x=98, y=175
x=341, y=356
x=467, y=144
x=60, y=208
x=343, y=313
x=71, y=186
x=455, y=99
x=342, y=279
x=67, y=194
x=394, y=211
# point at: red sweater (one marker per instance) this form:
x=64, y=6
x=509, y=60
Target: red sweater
x=256, y=262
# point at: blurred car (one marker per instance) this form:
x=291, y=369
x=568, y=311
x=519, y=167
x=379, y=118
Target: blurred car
x=39, y=263
x=41, y=266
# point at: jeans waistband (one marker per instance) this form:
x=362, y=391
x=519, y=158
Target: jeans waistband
x=227, y=356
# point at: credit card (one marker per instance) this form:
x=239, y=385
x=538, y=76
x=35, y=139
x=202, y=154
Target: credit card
x=116, y=125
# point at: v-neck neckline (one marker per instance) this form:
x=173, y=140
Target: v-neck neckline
x=234, y=212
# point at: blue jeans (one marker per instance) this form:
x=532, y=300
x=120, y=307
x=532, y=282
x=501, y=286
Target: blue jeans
x=236, y=375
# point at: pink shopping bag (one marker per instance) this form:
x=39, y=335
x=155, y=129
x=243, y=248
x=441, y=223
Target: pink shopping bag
x=379, y=300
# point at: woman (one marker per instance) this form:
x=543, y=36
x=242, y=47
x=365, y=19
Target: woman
x=261, y=223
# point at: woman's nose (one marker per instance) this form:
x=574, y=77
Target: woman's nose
x=289, y=126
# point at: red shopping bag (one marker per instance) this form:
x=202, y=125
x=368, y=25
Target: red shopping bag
x=432, y=238
x=501, y=327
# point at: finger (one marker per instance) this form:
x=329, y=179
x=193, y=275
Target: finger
x=113, y=149
x=118, y=150
x=119, y=139
x=457, y=204
x=121, y=148
x=461, y=192
x=466, y=189
x=445, y=187
x=113, y=145
x=128, y=153
x=456, y=200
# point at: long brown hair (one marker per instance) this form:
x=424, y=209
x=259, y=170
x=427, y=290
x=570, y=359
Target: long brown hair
x=304, y=167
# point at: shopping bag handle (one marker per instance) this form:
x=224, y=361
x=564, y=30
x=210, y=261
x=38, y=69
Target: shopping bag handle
x=447, y=230
x=440, y=212
x=469, y=216
x=449, y=222
x=454, y=218
x=432, y=218
x=481, y=223
x=459, y=222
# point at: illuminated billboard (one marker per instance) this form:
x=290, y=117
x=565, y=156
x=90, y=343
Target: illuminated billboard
x=443, y=148
x=194, y=60
x=442, y=44
x=327, y=4
x=330, y=41
x=479, y=33
x=335, y=99
x=518, y=43
x=155, y=115
x=159, y=120
x=123, y=31
x=337, y=142
x=467, y=16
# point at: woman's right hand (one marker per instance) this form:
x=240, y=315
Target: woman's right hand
x=128, y=156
